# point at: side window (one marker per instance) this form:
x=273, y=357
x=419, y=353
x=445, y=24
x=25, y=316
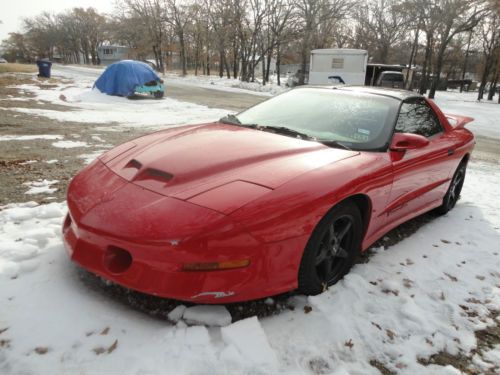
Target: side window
x=417, y=117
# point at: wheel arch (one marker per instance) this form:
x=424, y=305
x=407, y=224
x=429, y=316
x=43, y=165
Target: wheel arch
x=364, y=204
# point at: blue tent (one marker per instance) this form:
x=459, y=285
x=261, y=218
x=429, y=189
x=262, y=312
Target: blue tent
x=123, y=77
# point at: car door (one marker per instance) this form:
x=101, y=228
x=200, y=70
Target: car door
x=420, y=175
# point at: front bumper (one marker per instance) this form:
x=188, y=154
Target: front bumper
x=158, y=235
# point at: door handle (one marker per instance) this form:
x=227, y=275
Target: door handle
x=451, y=151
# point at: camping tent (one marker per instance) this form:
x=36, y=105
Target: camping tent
x=122, y=77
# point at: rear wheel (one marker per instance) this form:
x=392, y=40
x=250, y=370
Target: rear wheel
x=453, y=194
x=332, y=249
x=158, y=94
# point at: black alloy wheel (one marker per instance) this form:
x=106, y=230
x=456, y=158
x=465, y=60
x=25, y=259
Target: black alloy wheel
x=332, y=249
x=453, y=194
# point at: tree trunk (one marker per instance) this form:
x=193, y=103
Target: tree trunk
x=437, y=73
x=228, y=68
x=425, y=65
x=493, y=86
x=414, y=49
x=183, y=52
x=303, y=66
x=278, y=62
x=221, y=63
x=235, y=59
x=269, y=58
x=466, y=58
x=208, y=63
x=263, y=63
x=484, y=78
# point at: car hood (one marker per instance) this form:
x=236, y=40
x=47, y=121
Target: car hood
x=186, y=162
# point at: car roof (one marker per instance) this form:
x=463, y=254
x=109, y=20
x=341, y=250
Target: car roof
x=397, y=94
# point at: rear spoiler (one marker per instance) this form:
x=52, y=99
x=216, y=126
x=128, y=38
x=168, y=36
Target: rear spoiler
x=458, y=122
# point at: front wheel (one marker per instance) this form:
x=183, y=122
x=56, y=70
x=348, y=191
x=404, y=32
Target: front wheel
x=158, y=94
x=331, y=250
x=453, y=194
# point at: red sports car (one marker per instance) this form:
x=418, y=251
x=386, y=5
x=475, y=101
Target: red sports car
x=282, y=196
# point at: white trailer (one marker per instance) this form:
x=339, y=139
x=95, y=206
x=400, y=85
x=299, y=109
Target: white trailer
x=348, y=64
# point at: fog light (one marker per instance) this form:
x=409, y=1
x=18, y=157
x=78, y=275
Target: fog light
x=214, y=266
x=117, y=260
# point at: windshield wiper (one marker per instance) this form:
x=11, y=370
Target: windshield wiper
x=282, y=130
x=328, y=142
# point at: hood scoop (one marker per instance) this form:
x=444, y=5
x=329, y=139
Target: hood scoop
x=133, y=171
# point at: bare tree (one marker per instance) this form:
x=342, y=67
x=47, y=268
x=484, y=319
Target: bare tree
x=281, y=24
x=313, y=16
x=456, y=16
x=384, y=24
x=490, y=31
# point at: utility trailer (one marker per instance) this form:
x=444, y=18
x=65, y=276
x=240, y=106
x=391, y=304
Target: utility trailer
x=350, y=66
x=336, y=65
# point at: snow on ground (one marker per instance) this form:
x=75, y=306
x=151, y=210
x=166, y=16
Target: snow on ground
x=41, y=187
x=89, y=158
x=485, y=113
x=70, y=144
x=29, y=137
x=401, y=305
x=92, y=106
x=230, y=85
x=87, y=105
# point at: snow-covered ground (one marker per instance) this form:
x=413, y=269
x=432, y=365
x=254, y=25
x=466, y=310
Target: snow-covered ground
x=426, y=294
x=95, y=107
x=87, y=105
x=230, y=84
x=486, y=113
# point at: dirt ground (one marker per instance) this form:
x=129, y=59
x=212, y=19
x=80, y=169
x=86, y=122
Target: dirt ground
x=26, y=161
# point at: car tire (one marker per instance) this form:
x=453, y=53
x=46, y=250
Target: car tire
x=453, y=193
x=158, y=94
x=332, y=249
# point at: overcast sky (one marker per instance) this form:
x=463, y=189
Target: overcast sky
x=12, y=11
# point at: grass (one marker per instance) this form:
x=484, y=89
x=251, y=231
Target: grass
x=17, y=68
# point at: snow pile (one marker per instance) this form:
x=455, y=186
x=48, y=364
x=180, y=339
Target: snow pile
x=424, y=295
x=207, y=315
x=41, y=187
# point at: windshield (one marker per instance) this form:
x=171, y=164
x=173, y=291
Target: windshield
x=343, y=118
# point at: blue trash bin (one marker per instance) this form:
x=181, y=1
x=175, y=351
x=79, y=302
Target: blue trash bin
x=44, y=67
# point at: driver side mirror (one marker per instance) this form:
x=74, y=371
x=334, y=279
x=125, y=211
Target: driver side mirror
x=407, y=141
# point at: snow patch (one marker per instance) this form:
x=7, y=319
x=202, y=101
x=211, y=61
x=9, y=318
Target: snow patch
x=29, y=137
x=209, y=315
x=41, y=187
x=70, y=144
x=89, y=158
x=250, y=342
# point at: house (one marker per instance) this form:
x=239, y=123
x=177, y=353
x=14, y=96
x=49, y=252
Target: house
x=112, y=53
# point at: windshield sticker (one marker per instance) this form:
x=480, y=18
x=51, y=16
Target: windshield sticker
x=364, y=131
